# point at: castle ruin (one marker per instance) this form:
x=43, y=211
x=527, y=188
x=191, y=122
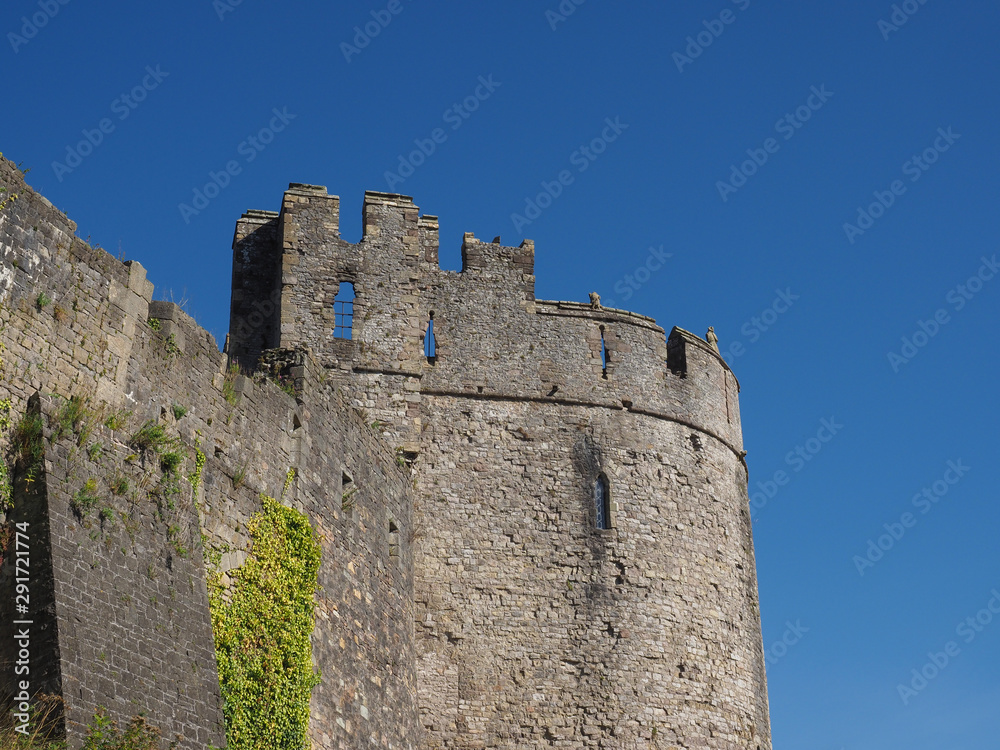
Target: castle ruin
x=532, y=515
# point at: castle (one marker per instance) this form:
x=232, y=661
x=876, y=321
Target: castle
x=532, y=516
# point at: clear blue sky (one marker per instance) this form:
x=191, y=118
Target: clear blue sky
x=813, y=309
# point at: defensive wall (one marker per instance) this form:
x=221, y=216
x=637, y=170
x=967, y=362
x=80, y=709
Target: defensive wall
x=118, y=594
x=537, y=537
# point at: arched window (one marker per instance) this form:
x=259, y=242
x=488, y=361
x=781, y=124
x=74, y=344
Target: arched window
x=343, y=308
x=602, y=503
x=430, y=345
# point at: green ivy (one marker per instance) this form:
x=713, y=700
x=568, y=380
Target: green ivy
x=5, y=406
x=289, y=478
x=262, y=625
x=199, y=464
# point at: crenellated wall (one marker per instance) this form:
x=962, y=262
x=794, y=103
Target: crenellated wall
x=535, y=628
x=493, y=337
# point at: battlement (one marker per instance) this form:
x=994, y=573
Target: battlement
x=490, y=335
x=493, y=256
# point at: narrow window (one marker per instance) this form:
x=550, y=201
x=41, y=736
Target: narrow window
x=393, y=539
x=602, y=503
x=604, y=355
x=347, y=490
x=343, y=308
x=430, y=345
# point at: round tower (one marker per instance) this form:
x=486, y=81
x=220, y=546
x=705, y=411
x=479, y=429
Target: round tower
x=583, y=559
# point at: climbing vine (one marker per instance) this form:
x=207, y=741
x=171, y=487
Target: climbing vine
x=289, y=478
x=262, y=624
x=199, y=464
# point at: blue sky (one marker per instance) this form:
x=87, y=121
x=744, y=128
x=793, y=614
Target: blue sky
x=742, y=160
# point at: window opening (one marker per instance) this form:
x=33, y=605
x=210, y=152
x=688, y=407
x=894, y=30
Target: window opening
x=602, y=503
x=343, y=309
x=393, y=539
x=347, y=490
x=430, y=344
x=604, y=355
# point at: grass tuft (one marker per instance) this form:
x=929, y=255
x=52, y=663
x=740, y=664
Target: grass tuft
x=152, y=436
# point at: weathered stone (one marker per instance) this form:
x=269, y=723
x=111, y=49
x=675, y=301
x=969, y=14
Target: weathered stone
x=469, y=594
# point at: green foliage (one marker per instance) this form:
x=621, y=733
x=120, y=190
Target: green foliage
x=94, y=451
x=152, y=436
x=171, y=344
x=117, y=419
x=5, y=407
x=42, y=300
x=103, y=734
x=6, y=487
x=285, y=383
x=27, y=444
x=86, y=499
x=179, y=411
x=107, y=514
x=166, y=492
x=171, y=460
x=119, y=485
x=289, y=478
x=262, y=633
x=73, y=418
x=199, y=466
x=229, y=383
x=6, y=478
x=155, y=324
x=173, y=534
x=239, y=476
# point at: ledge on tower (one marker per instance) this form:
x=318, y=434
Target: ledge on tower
x=374, y=196
x=259, y=214
x=304, y=187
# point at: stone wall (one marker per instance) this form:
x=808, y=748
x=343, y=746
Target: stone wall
x=534, y=627
x=131, y=607
x=124, y=619
x=554, y=632
x=467, y=597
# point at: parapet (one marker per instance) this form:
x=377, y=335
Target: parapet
x=491, y=337
x=390, y=215
x=493, y=256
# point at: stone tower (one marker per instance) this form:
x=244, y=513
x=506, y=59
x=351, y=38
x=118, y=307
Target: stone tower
x=583, y=566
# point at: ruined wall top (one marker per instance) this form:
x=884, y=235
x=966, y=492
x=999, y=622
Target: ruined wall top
x=491, y=337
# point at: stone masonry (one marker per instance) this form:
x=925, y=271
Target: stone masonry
x=470, y=595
